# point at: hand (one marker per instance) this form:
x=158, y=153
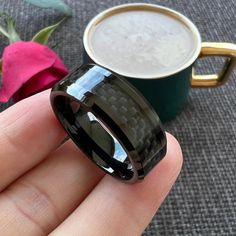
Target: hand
x=48, y=188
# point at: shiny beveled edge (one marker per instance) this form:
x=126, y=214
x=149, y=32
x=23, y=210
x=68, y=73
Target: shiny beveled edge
x=150, y=7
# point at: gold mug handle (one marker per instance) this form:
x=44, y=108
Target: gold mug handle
x=227, y=50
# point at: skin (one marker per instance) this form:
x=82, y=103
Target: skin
x=47, y=188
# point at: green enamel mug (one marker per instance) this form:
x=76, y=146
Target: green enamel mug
x=155, y=49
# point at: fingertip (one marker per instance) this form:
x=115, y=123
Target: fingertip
x=155, y=187
x=170, y=164
x=157, y=184
x=174, y=153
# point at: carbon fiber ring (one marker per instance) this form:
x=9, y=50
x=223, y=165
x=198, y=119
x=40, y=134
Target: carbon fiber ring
x=110, y=121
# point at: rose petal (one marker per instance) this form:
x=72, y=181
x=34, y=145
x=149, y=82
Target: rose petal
x=25, y=61
x=42, y=81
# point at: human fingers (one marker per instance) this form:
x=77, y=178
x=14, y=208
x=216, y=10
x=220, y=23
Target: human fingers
x=29, y=131
x=40, y=200
x=115, y=208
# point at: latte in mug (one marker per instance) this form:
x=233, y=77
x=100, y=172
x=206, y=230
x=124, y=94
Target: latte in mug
x=155, y=48
x=141, y=43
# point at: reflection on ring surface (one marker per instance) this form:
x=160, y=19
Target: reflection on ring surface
x=103, y=137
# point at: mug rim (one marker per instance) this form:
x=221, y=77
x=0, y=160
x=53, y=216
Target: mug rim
x=144, y=6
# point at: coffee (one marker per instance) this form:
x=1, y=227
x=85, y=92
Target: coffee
x=141, y=43
x=154, y=48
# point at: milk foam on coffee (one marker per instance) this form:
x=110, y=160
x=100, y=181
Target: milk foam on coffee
x=141, y=43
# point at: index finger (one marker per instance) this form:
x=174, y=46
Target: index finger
x=29, y=131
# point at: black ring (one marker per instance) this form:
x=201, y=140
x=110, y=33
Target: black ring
x=110, y=121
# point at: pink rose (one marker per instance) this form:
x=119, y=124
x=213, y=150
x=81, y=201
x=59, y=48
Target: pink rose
x=29, y=68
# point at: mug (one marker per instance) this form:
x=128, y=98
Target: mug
x=178, y=47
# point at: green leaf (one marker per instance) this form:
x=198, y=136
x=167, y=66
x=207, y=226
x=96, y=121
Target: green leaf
x=58, y=5
x=10, y=31
x=43, y=35
x=14, y=37
x=4, y=32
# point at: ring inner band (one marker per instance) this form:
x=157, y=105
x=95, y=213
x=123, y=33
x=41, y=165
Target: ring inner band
x=94, y=138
